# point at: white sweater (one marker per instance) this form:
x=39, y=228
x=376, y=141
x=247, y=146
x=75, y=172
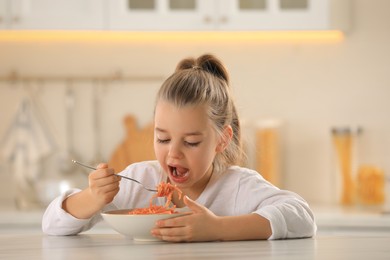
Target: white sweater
x=237, y=191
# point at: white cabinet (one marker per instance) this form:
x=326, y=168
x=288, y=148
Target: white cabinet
x=173, y=15
x=229, y=15
x=53, y=14
x=160, y=15
x=274, y=15
x=3, y=13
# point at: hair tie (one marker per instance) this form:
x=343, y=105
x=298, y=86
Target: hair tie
x=196, y=67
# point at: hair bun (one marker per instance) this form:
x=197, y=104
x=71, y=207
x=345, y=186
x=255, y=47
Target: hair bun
x=186, y=64
x=206, y=62
x=213, y=65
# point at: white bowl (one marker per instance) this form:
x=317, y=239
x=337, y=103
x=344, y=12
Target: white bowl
x=137, y=227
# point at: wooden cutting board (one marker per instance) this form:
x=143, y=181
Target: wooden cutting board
x=137, y=145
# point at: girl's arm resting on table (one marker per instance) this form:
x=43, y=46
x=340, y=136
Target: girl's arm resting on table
x=291, y=218
x=244, y=227
x=288, y=219
x=288, y=213
x=71, y=213
x=203, y=225
x=80, y=205
x=56, y=221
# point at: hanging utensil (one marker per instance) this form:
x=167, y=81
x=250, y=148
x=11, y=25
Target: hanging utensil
x=69, y=151
x=96, y=89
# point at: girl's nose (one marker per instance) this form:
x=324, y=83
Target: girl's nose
x=174, y=151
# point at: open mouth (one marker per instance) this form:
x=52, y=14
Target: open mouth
x=178, y=174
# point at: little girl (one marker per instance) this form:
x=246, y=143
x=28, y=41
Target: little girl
x=197, y=143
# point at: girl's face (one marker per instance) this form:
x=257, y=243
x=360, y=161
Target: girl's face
x=185, y=145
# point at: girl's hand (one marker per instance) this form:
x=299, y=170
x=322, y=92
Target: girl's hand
x=199, y=225
x=103, y=185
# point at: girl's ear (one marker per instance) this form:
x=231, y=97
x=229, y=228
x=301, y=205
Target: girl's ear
x=226, y=137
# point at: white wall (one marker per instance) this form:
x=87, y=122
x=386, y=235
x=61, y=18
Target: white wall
x=310, y=86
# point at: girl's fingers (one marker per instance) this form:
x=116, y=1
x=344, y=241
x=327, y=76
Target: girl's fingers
x=102, y=166
x=171, y=234
x=103, y=182
x=173, y=222
x=102, y=173
x=103, y=177
x=192, y=205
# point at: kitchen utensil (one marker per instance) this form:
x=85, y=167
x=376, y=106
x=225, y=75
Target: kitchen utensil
x=96, y=120
x=125, y=177
x=69, y=151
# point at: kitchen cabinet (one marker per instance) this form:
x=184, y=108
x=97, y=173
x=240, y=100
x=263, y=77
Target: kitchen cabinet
x=227, y=15
x=161, y=15
x=280, y=14
x=3, y=12
x=52, y=14
x=174, y=15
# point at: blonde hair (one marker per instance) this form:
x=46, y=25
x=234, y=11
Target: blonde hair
x=205, y=81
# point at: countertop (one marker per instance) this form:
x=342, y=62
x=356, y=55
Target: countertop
x=328, y=218
x=115, y=246
x=343, y=234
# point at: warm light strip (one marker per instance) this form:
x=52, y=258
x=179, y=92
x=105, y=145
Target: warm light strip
x=151, y=37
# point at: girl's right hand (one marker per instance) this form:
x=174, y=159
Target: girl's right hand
x=103, y=185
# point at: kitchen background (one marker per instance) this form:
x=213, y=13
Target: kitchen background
x=90, y=84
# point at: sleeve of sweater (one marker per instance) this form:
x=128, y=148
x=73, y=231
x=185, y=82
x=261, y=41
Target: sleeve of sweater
x=56, y=221
x=289, y=214
x=290, y=217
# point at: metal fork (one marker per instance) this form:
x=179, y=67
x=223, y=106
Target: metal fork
x=125, y=177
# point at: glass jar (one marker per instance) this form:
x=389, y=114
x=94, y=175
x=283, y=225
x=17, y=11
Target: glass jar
x=345, y=141
x=370, y=185
x=268, y=150
x=361, y=181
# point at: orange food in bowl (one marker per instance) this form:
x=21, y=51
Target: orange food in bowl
x=163, y=190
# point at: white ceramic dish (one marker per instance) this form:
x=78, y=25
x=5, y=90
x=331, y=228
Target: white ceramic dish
x=137, y=227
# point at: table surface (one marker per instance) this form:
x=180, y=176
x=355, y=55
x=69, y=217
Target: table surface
x=35, y=245
x=22, y=238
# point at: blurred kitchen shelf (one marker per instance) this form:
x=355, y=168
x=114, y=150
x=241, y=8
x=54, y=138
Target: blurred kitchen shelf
x=29, y=222
x=331, y=219
x=15, y=217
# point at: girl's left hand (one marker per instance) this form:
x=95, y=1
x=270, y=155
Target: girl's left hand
x=199, y=225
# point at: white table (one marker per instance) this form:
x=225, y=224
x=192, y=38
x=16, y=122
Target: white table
x=342, y=235
x=114, y=246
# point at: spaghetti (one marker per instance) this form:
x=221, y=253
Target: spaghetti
x=164, y=189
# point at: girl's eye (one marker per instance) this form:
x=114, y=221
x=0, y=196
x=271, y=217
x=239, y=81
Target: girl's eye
x=163, y=141
x=192, y=144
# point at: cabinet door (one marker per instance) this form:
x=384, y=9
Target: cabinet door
x=161, y=15
x=273, y=14
x=57, y=14
x=3, y=12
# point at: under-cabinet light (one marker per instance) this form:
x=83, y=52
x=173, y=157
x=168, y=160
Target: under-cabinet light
x=117, y=36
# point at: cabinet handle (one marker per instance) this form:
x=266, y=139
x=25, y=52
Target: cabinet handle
x=16, y=19
x=223, y=19
x=207, y=19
